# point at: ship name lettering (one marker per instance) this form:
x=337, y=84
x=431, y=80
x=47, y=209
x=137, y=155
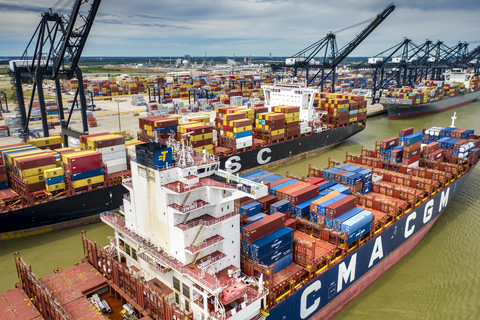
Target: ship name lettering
x=377, y=252
x=344, y=273
x=305, y=311
x=444, y=199
x=409, y=230
x=428, y=213
x=236, y=166
x=260, y=158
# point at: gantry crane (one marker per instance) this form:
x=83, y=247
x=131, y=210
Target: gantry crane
x=332, y=56
x=53, y=53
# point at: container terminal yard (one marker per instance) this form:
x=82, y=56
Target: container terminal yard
x=176, y=164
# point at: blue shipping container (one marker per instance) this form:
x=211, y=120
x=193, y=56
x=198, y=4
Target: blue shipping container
x=271, y=242
x=354, y=223
x=341, y=189
x=359, y=233
x=324, y=192
x=278, y=254
x=280, y=206
x=54, y=180
x=4, y=185
x=242, y=134
x=303, y=208
x=256, y=217
x=251, y=209
x=280, y=186
x=87, y=174
x=282, y=263
x=327, y=185
x=337, y=222
x=412, y=138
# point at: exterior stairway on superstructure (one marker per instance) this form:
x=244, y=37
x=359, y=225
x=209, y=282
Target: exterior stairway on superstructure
x=183, y=203
x=195, y=257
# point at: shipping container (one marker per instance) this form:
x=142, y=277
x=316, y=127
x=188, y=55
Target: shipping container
x=263, y=227
x=303, y=209
x=280, y=206
x=274, y=189
x=271, y=242
x=303, y=195
x=277, y=254
x=314, y=204
x=357, y=234
x=356, y=222
x=338, y=221
x=250, y=209
x=282, y=263
x=337, y=208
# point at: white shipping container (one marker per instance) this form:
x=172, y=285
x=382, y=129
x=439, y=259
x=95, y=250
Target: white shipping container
x=119, y=147
x=115, y=162
x=115, y=169
x=305, y=130
x=245, y=139
x=244, y=145
x=113, y=155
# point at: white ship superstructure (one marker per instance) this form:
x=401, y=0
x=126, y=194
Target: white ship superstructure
x=181, y=234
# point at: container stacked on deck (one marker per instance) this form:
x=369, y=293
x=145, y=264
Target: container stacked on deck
x=3, y=178
x=197, y=135
x=268, y=241
x=28, y=163
x=84, y=167
x=411, y=147
x=292, y=120
x=342, y=109
x=235, y=127
x=270, y=126
x=52, y=143
x=445, y=144
x=354, y=178
x=160, y=126
x=111, y=147
x=55, y=179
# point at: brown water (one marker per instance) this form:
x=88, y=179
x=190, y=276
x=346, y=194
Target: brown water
x=437, y=280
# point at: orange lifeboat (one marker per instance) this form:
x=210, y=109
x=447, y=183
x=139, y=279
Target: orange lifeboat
x=233, y=292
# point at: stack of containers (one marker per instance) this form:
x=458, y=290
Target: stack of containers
x=52, y=143
x=31, y=169
x=316, y=205
x=111, y=147
x=3, y=178
x=250, y=209
x=270, y=126
x=411, y=148
x=197, y=135
x=358, y=225
x=54, y=179
x=235, y=128
x=386, y=147
x=334, y=208
x=269, y=251
x=303, y=209
x=84, y=167
x=292, y=120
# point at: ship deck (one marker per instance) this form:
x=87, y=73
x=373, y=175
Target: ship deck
x=70, y=287
x=15, y=304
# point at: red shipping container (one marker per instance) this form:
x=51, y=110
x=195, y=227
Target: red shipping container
x=407, y=162
x=406, y=132
x=263, y=227
x=109, y=142
x=316, y=181
x=457, y=133
x=303, y=195
x=411, y=154
x=37, y=161
x=457, y=145
x=291, y=223
x=84, y=158
x=3, y=169
x=388, y=143
x=340, y=207
x=85, y=167
x=338, y=175
x=83, y=139
x=266, y=202
x=3, y=177
x=412, y=147
x=435, y=155
x=433, y=146
x=36, y=186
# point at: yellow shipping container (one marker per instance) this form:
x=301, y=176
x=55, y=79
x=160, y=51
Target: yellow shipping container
x=120, y=133
x=292, y=119
x=352, y=119
x=36, y=171
x=176, y=116
x=62, y=149
x=242, y=129
x=55, y=187
x=91, y=141
x=41, y=142
x=276, y=132
x=200, y=137
x=203, y=119
x=34, y=179
x=88, y=182
x=66, y=156
x=13, y=156
x=52, y=173
x=147, y=127
x=208, y=147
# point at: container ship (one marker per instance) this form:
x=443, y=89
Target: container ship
x=44, y=190
x=458, y=89
x=193, y=241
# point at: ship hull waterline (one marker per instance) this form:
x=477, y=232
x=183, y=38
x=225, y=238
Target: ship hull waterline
x=332, y=290
x=398, y=111
x=55, y=215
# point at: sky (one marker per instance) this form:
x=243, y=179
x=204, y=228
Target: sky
x=246, y=27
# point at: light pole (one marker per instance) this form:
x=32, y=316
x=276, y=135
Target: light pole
x=118, y=111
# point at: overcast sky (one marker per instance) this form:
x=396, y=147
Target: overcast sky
x=246, y=27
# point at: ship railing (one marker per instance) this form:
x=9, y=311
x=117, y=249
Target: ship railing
x=121, y=209
x=204, y=245
x=127, y=182
x=254, y=187
x=208, y=223
x=126, y=196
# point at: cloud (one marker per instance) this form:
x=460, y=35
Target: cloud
x=256, y=27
